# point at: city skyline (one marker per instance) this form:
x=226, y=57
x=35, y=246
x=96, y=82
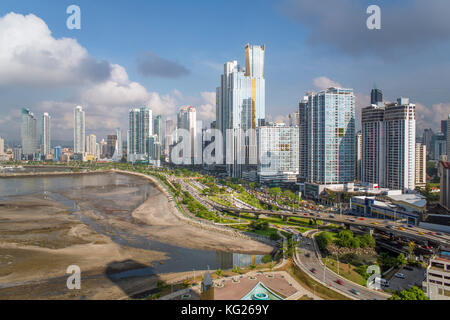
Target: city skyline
x=117, y=81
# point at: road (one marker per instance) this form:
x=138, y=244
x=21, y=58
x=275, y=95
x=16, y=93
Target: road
x=309, y=260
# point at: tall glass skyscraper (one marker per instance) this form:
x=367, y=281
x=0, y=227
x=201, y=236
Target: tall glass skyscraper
x=157, y=127
x=79, y=130
x=140, y=128
x=28, y=133
x=241, y=105
x=46, y=135
x=376, y=96
x=331, y=136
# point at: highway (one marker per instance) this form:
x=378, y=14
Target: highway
x=308, y=259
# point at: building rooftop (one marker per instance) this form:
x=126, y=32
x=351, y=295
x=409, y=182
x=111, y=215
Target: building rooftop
x=412, y=199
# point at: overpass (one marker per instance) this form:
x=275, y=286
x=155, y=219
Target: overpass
x=371, y=224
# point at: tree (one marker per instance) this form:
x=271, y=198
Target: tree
x=413, y=293
x=324, y=239
x=411, y=247
x=219, y=272
x=367, y=241
x=401, y=259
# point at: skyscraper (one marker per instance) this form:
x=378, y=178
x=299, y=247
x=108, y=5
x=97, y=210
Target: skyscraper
x=111, y=141
x=303, y=139
x=91, y=145
x=240, y=106
x=373, y=158
x=331, y=136
x=426, y=139
x=187, y=120
x=28, y=133
x=118, y=149
x=358, y=160
x=157, y=127
x=400, y=133
x=46, y=134
x=2, y=145
x=277, y=153
x=448, y=138
x=140, y=128
x=79, y=130
x=376, y=96
x=421, y=165
x=169, y=136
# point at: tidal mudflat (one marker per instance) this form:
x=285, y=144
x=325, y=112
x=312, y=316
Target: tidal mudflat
x=117, y=228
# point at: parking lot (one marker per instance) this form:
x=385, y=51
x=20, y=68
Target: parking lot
x=412, y=278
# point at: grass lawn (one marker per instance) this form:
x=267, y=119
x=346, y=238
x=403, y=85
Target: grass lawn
x=245, y=197
x=219, y=200
x=345, y=270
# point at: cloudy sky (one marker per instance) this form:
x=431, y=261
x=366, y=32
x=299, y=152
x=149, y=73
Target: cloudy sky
x=167, y=54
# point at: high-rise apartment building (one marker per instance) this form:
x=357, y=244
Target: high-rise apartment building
x=91, y=145
x=28, y=133
x=79, y=131
x=187, y=120
x=140, y=128
x=358, y=154
x=241, y=106
x=169, y=136
x=277, y=153
x=46, y=147
x=376, y=96
x=400, y=133
x=303, y=139
x=373, y=145
x=426, y=139
x=421, y=165
x=444, y=173
x=448, y=138
x=2, y=145
x=118, y=148
x=388, y=143
x=111, y=141
x=331, y=136
x=437, y=282
x=157, y=127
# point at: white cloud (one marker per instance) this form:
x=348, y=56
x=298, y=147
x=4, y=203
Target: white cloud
x=31, y=56
x=323, y=83
x=431, y=117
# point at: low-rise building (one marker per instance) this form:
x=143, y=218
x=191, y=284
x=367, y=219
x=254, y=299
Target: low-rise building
x=391, y=207
x=437, y=283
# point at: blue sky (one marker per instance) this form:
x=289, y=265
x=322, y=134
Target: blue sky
x=309, y=44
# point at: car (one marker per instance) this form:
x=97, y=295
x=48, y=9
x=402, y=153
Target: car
x=401, y=229
x=421, y=233
x=355, y=292
x=390, y=227
x=432, y=233
x=313, y=270
x=352, y=220
x=331, y=215
x=410, y=226
x=375, y=223
x=400, y=275
x=438, y=233
x=307, y=255
x=362, y=219
x=340, y=282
